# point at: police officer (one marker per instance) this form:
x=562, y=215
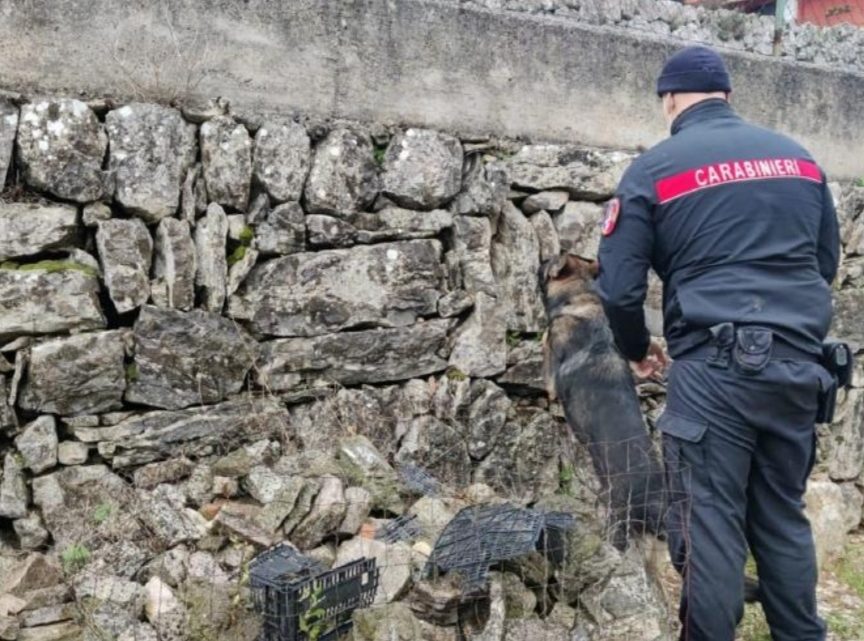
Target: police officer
x=740, y=226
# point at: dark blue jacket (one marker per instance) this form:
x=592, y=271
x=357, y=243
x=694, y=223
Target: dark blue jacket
x=738, y=223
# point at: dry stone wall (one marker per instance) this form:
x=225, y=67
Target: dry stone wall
x=215, y=336
x=841, y=46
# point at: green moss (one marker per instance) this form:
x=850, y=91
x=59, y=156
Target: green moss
x=378, y=153
x=247, y=234
x=565, y=479
x=51, y=266
x=455, y=374
x=131, y=372
x=237, y=255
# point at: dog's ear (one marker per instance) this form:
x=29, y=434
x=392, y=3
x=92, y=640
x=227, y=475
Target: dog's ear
x=553, y=267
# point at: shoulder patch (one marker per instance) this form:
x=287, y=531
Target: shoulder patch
x=610, y=216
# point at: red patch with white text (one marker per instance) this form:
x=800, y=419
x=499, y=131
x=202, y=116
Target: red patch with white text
x=610, y=216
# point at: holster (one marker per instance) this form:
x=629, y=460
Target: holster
x=837, y=359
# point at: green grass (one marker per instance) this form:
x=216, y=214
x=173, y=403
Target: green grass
x=850, y=569
x=101, y=513
x=848, y=626
x=753, y=626
x=75, y=557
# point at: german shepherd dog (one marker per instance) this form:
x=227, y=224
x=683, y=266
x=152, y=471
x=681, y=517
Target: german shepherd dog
x=593, y=381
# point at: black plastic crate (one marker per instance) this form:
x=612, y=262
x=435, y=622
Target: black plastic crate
x=292, y=592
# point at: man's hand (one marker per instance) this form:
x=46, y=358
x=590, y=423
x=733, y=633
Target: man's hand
x=654, y=363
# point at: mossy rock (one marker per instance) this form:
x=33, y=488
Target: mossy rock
x=50, y=266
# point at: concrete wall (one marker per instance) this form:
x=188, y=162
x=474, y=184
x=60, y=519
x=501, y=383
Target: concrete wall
x=407, y=61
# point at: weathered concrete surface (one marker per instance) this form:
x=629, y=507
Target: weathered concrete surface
x=361, y=60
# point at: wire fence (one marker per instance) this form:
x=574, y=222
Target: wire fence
x=558, y=561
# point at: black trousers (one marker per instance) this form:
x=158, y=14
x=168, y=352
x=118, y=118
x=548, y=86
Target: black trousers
x=738, y=449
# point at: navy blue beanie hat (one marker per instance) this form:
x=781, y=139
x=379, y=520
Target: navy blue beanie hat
x=694, y=70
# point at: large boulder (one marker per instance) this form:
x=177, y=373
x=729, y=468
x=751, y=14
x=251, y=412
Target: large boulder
x=370, y=356
x=422, y=168
x=49, y=298
x=314, y=293
x=125, y=251
x=61, y=146
x=194, y=432
x=516, y=264
x=82, y=374
x=226, y=154
x=151, y=149
x=281, y=159
x=344, y=175
x=31, y=228
x=187, y=358
x=211, y=276
x=174, y=265
x=8, y=127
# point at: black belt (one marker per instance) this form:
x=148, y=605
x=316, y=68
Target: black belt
x=779, y=350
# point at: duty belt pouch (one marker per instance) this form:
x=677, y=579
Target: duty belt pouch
x=827, y=403
x=837, y=359
x=752, y=350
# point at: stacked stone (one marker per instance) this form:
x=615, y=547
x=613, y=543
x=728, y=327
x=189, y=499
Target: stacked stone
x=841, y=46
x=215, y=337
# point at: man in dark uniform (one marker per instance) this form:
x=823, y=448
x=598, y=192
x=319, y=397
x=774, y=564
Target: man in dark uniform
x=740, y=226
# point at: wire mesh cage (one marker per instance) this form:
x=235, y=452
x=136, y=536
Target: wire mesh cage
x=481, y=536
x=402, y=528
x=300, y=600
